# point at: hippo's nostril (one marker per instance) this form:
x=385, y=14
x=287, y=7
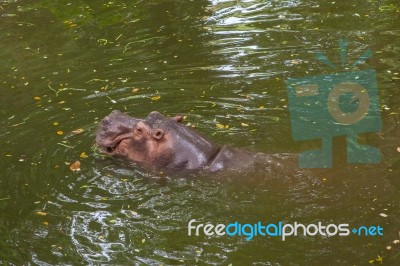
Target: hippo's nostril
x=106, y=120
x=109, y=149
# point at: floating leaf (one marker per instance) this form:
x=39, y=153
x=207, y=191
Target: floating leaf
x=379, y=259
x=156, y=98
x=383, y=215
x=41, y=213
x=134, y=90
x=55, y=124
x=60, y=132
x=112, y=221
x=45, y=223
x=398, y=149
x=76, y=166
x=143, y=240
x=87, y=186
x=245, y=125
x=78, y=131
x=37, y=98
x=220, y=126
x=83, y=155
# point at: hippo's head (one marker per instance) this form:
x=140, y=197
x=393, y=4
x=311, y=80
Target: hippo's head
x=154, y=141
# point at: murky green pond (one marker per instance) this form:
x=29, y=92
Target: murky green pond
x=64, y=65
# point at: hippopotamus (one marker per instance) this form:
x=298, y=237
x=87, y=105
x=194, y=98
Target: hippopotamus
x=159, y=142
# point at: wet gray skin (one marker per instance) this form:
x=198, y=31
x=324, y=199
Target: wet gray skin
x=161, y=142
x=114, y=128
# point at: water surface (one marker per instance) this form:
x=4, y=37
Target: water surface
x=65, y=65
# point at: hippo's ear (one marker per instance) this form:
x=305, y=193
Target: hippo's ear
x=158, y=133
x=178, y=118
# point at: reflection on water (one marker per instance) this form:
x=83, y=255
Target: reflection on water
x=65, y=65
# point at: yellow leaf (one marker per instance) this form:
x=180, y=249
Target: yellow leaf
x=78, y=131
x=226, y=126
x=45, y=223
x=60, y=132
x=55, y=124
x=245, y=125
x=156, y=98
x=398, y=149
x=220, y=126
x=41, y=213
x=83, y=155
x=135, y=90
x=37, y=98
x=76, y=166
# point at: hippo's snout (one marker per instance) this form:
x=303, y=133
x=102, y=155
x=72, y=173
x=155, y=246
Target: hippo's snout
x=113, y=126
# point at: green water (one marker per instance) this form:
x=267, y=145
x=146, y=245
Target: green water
x=64, y=65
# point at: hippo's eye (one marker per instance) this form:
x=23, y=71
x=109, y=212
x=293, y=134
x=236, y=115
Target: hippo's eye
x=139, y=130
